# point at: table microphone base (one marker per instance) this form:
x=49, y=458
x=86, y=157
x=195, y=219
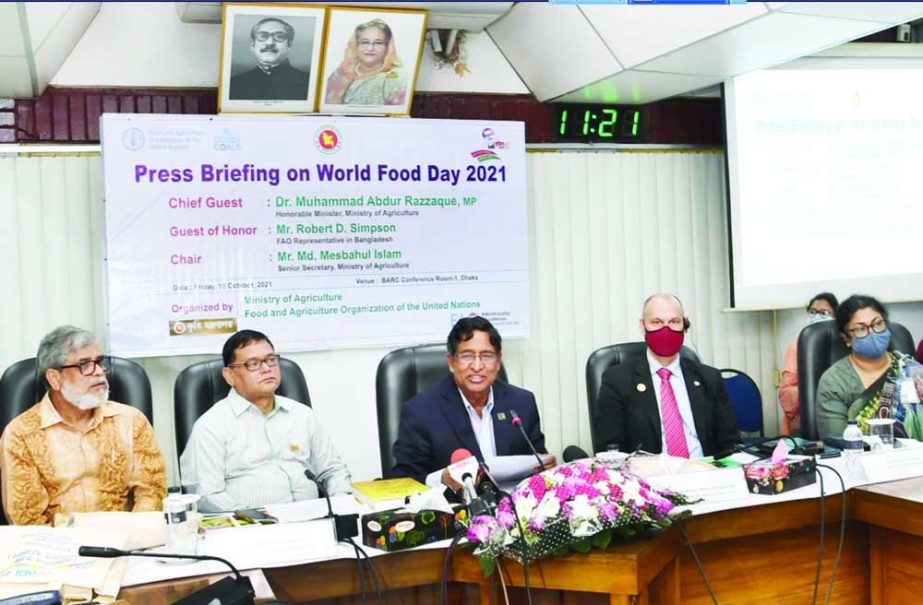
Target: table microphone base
x=226, y=591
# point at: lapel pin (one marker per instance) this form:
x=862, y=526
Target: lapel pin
x=696, y=383
x=293, y=447
x=501, y=415
x=641, y=387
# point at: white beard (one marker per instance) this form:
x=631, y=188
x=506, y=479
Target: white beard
x=87, y=401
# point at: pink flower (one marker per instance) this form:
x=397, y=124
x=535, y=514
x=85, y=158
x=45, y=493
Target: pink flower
x=538, y=487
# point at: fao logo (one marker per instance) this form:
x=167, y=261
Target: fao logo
x=133, y=139
x=327, y=139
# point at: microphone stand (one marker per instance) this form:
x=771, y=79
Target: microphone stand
x=518, y=422
x=344, y=526
x=226, y=591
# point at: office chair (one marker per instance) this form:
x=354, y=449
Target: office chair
x=201, y=385
x=746, y=400
x=401, y=375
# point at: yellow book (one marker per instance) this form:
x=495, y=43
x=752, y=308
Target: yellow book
x=386, y=494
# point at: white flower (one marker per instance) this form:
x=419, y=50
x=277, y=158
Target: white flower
x=549, y=506
x=582, y=508
x=525, y=506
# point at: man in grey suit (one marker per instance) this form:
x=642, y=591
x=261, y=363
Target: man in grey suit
x=661, y=402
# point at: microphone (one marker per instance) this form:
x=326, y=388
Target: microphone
x=464, y=468
x=227, y=591
x=573, y=452
x=518, y=422
x=344, y=526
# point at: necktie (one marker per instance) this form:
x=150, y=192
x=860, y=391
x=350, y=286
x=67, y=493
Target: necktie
x=672, y=421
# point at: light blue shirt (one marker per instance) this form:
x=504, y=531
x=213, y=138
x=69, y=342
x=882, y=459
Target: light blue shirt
x=237, y=458
x=682, y=400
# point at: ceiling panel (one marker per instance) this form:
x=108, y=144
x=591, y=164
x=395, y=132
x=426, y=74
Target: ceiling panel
x=14, y=78
x=553, y=48
x=42, y=17
x=890, y=13
x=10, y=35
x=639, y=33
x=634, y=87
x=770, y=40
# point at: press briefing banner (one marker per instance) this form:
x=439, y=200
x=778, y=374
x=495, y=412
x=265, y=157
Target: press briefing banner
x=321, y=232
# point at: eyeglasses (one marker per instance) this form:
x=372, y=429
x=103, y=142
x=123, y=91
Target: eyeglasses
x=88, y=366
x=487, y=359
x=276, y=36
x=861, y=330
x=253, y=365
x=821, y=312
x=372, y=43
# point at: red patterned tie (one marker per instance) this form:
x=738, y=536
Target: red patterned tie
x=672, y=421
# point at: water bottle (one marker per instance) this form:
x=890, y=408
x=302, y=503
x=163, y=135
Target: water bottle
x=852, y=435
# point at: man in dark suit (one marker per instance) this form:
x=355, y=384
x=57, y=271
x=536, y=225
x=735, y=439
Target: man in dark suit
x=661, y=402
x=467, y=409
x=273, y=78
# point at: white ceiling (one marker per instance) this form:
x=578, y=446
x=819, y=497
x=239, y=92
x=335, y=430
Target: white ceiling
x=35, y=38
x=643, y=53
x=584, y=53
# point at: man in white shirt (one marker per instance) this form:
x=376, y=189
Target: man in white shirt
x=253, y=447
x=661, y=402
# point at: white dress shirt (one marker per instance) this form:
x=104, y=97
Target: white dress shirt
x=237, y=458
x=682, y=400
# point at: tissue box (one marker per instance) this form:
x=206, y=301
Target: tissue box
x=399, y=529
x=768, y=477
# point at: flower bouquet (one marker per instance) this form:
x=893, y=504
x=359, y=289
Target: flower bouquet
x=575, y=506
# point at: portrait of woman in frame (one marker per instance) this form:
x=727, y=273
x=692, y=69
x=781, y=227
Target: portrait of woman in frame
x=371, y=59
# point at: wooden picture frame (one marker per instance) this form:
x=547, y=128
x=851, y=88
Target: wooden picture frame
x=371, y=60
x=278, y=73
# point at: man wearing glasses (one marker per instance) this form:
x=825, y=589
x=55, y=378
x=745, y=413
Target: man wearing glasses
x=253, y=447
x=273, y=78
x=466, y=410
x=76, y=451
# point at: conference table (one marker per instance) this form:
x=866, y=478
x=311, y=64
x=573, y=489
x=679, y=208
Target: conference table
x=759, y=554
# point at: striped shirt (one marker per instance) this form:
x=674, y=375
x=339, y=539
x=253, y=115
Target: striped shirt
x=237, y=458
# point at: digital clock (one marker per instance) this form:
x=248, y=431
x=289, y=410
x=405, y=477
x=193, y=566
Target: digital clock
x=575, y=123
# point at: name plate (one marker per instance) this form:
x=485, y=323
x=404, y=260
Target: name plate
x=891, y=465
x=716, y=488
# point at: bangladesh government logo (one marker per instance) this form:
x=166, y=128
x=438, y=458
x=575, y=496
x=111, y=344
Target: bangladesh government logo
x=133, y=139
x=327, y=139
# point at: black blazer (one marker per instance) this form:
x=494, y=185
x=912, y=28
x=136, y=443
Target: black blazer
x=627, y=414
x=434, y=424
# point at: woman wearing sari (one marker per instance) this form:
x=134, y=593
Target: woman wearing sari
x=866, y=383
x=371, y=72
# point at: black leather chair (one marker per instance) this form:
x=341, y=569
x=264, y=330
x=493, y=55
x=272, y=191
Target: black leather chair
x=819, y=345
x=201, y=385
x=401, y=375
x=21, y=388
x=602, y=359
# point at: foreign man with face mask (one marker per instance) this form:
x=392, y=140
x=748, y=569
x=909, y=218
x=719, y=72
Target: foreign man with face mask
x=660, y=402
x=273, y=78
x=820, y=308
x=76, y=451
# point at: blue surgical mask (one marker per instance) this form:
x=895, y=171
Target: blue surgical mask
x=873, y=345
x=817, y=318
